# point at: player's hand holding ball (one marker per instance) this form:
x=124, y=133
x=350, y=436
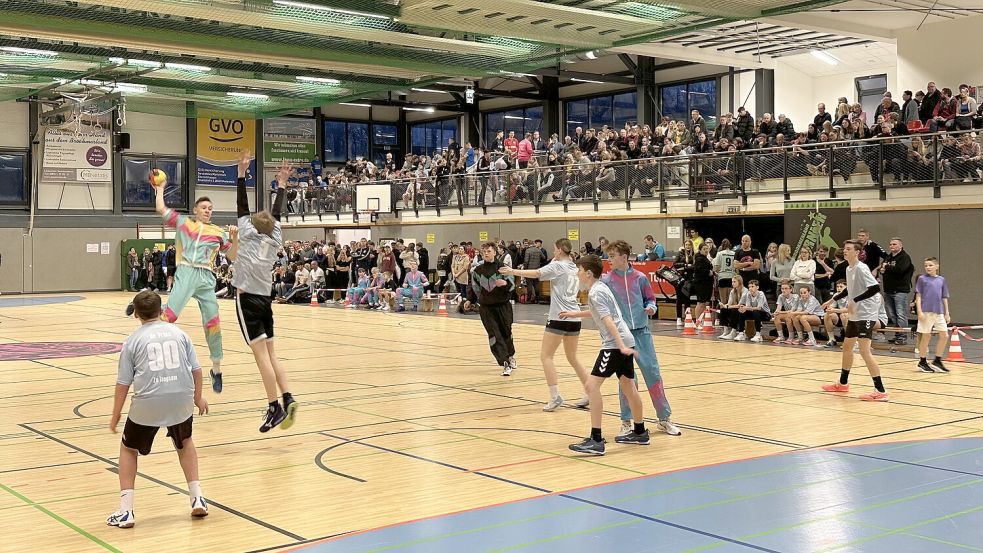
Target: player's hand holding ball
x=158, y=178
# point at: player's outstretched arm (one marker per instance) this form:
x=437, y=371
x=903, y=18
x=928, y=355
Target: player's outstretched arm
x=242, y=199
x=281, y=191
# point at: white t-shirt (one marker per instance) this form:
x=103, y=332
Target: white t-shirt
x=564, y=286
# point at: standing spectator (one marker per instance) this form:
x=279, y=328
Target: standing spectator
x=927, y=109
x=424, y=259
x=744, y=127
x=460, y=267
x=823, y=272
x=133, y=262
x=532, y=260
x=702, y=279
x=525, y=151
x=684, y=265
x=747, y=260
x=898, y=270
x=723, y=265
x=932, y=306
x=909, y=109
x=511, y=147
x=803, y=271
x=822, y=117
x=871, y=254
x=781, y=267
x=443, y=270
x=695, y=120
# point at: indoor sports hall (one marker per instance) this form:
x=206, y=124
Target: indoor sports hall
x=452, y=276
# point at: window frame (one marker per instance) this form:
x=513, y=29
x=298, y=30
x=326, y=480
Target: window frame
x=589, y=124
x=154, y=159
x=27, y=182
x=427, y=126
x=486, y=135
x=715, y=79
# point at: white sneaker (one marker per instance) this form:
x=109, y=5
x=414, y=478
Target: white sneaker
x=506, y=369
x=329, y=302
x=757, y=338
x=199, y=507
x=741, y=337
x=809, y=342
x=679, y=323
x=122, y=519
x=728, y=335
x=553, y=404
x=626, y=428
x=582, y=403
x=512, y=363
x=669, y=428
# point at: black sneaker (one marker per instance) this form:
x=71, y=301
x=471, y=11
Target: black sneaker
x=590, y=446
x=290, y=407
x=274, y=416
x=923, y=366
x=129, y=310
x=216, y=381
x=938, y=366
x=633, y=438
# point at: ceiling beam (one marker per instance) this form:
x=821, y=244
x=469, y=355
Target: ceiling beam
x=841, y=24
x=693, y=55
x=629, y=63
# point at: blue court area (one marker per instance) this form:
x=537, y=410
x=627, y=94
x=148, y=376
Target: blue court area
x=28, y=301
x=916, y=497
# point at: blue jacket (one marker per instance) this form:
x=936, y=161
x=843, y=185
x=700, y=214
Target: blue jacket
x=634, y=294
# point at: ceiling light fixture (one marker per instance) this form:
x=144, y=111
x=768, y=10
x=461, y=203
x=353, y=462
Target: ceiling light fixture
x=28, y=51
x=514, y=74
x=315, y=7
x=141, y=63
x=250, y=95
x=424, y=110
x=824, y=56
x=130, y=87
x=318, y=80
x=354, y=105
x=187, y=67
x=434, y=91
x=586, y=81
x=517, y=117
x=590, y=54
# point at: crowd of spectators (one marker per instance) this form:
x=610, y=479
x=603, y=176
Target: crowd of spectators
x=619, y=163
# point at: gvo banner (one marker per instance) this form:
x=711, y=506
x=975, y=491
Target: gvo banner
x=813, y=223
x=220, y=143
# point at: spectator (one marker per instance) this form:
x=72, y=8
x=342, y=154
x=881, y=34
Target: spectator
x=695, y=120
x=932, y=307
x=898, y=271
x=781, y=268
x=702, y=279
x=768, y=127
x=927, y=108
x=803, y=273
x=909, y=109
x=784, y=126
x=871, y=254
x=753, y=307
x=822, y=117
x=744, y=127
x=525, y=151
x=965, y=109
x=823, y=272
x=532, y=260
x=747, y=261
x=684, y=265
x=460, y=271
x=653, y=250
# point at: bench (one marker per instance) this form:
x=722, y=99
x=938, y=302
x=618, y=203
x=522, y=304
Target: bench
x=893, y=348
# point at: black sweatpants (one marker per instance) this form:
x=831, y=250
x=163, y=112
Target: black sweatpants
x=497, y=319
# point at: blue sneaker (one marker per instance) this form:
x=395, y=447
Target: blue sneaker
x=400, y=309
x=216, y=381
x=415, y=308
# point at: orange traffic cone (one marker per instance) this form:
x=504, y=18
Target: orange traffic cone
x=348, y=301
x=708, y=327
x=442, y=308
x=689, y=329
x=314, y=299
x=955, y=348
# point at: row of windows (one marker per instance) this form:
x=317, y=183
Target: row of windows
x=613, y=111
x=432, y=137
x=519, y=120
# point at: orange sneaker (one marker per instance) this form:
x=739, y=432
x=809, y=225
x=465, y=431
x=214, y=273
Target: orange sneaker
x=836, y=387
x=874, y=396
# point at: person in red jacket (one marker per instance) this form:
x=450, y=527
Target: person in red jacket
x=525, y=151
x=511, y=148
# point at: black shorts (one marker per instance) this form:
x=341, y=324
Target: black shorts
x=563, y=328
x=860, y=329
x=725, y=283
x=703, y=292
x=255, y=314
x=612, y=362
x=141, y=438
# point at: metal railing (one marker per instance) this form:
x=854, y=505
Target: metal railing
x=927, y=160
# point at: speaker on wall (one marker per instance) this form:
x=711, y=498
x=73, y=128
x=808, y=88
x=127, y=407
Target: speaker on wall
x=122, y=141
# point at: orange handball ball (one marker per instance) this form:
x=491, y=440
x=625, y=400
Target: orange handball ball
x=157, y=178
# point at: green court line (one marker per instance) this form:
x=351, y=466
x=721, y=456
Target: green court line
x=568, y=535
x=41, y=508
x=904, y=529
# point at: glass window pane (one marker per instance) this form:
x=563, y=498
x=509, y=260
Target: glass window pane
x=448, y=131
x=576, y=115
x=384, y=135
x=600, y=112
x=418, y=139
x=137, y=191
x=335, y=149
x=514, y=120
x=12, y=178
x=625, y=109
x=703, y=96
x=534, y=120
x=358, y=140
x=494, y=122
x=674, y=103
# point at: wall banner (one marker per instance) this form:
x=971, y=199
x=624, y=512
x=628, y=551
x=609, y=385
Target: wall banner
x=813, y=223
x=220, y=143
x=77, y=158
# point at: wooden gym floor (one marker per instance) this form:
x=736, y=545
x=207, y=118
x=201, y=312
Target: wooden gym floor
x=405, y=418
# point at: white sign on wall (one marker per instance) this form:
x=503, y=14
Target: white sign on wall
x=673, y=232
x=77, y=158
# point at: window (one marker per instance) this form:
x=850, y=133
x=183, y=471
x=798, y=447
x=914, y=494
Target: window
x=13, y=182
x=520, y=120
x=431, y=137
x=383, y=135
x=137, y=192
x=679, y=99
x=611, y=110
x=870, y=91
x=344, y=141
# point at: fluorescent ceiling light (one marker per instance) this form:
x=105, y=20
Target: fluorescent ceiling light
x=354, y=105
x=514, y=74
x=251, y=95
x=429, y=90
x=28, y=51
x=318, y=80
x=590, y=54
x=517, y=117
x=587, y=81
x=141, y=63
x=187, y=67
x=130, y=87
x=824, y=56
x=425, y=110
x=315, y=7
x=92, y=82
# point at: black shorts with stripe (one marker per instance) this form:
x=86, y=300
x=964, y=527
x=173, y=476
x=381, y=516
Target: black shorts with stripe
x=255, y=315
x=612, y=362
x=563, y=328
x=863, y=330
x=141, y=438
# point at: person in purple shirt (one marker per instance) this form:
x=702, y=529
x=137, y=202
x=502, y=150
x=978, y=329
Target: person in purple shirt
x=932, y=306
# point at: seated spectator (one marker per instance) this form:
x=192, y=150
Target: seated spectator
x=785, y=306
x=808, y=314
x=837, y=314
x=653, y=250
x=730, y=317
x=753, y=307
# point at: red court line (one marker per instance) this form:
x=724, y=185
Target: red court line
x=515, y=464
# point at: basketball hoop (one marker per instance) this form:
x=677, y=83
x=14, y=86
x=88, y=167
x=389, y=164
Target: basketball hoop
x=368, y=214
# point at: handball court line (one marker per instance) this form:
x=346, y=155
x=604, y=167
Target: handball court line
x=114, y=467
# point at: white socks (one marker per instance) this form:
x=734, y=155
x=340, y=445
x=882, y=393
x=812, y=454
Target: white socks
x=811, y=335
x=194, y=489
x=125, y=500
x=554, y=391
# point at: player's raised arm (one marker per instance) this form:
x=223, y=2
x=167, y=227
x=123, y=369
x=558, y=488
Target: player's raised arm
x=242, y=199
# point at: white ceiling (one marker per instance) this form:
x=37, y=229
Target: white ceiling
x=873, y=57
x=879, y=19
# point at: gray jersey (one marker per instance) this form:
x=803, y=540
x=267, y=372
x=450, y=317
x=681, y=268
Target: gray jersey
x=602, y=304
x=858, y=280
x=812, y=307
x=563, y=286
x=255, y=258
x=157, y=361
x=790, y=303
